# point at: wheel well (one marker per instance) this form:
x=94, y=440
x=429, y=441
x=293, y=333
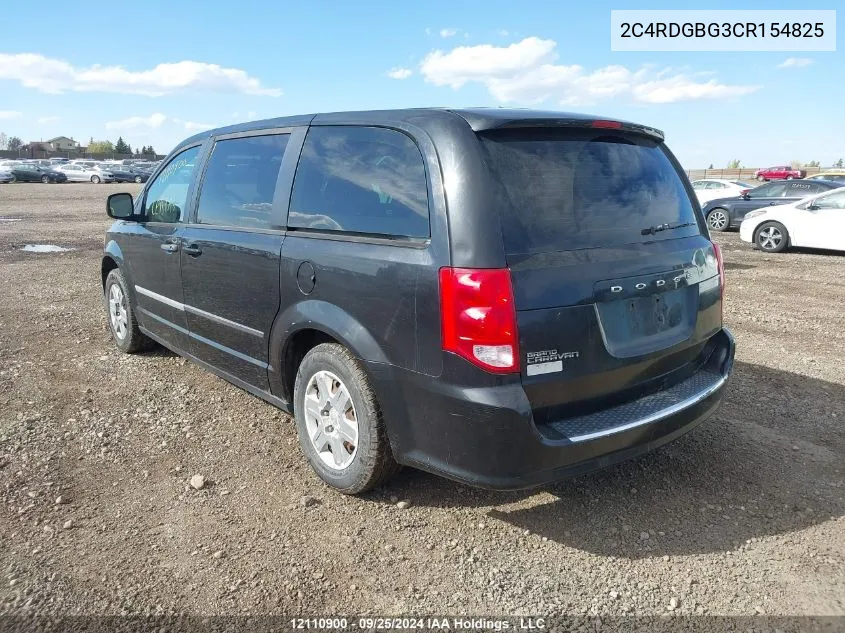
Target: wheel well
x=108, y=265
x=295, y=350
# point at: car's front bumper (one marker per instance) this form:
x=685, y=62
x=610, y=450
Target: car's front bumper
x=486, y=437
x=747, y=228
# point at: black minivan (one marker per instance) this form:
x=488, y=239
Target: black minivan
x=503, y=297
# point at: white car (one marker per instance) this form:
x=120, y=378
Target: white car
x=815, y=222
x=708, y=189
x=82, y=173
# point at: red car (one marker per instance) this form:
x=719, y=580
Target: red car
x=782, y=172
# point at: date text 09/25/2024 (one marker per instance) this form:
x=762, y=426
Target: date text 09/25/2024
x=427, y=623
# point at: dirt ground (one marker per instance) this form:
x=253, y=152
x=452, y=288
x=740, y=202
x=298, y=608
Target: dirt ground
x=745, y=515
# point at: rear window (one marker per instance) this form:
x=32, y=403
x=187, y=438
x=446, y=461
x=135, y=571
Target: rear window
x=575, y=189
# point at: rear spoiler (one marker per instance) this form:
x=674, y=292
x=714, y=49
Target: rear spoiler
x=609, y=124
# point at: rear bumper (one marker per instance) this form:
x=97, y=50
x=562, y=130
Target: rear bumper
x=486, y=437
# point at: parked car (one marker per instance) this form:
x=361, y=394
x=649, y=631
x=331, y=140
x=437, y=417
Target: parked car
x=28, y=172
x=815, y=222
x=122, y=173
x=727, y=213
x=81, y=173
x=6, y=175
x=477, y=293
x=835, y=176
x=710, y=188
x=781, y=172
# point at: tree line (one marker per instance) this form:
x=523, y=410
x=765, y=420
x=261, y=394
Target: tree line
x=14, y=143
x=120, y=147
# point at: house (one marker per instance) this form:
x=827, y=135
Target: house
x=63, y=144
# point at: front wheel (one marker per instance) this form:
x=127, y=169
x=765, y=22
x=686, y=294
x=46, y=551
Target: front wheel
x=718, y=220
x=138, y=179
x=339, y=423
x=771, y=237
x=761, y=178
x=789, y=177
x=122, y=323
x=95, y=180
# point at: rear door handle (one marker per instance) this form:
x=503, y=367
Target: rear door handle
x=192, y=249
x=170, y=247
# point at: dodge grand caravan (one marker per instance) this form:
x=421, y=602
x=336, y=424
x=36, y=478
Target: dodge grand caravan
x=503, y=297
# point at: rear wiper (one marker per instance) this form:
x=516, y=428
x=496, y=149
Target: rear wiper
x=665, y=227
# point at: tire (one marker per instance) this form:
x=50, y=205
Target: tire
x=132, y=339
x=95, y=180
x=45, y=179
x=139, y=180
x=369, y=463
x=790, y=177
x=761, y=178
x=718, y=219
x=771, y=237
x=12, y=181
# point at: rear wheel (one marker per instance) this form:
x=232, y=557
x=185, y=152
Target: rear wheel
x=339, y=423
x=772, y=237
x=45, y=179
x=95, y=180
x=138, y=179
x=122, y=323
x=718, y=220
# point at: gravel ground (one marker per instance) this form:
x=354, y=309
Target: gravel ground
x=745, y=515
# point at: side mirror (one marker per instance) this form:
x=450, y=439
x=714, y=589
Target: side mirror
x=812, y=207
x=120, y=206
x=746, y=195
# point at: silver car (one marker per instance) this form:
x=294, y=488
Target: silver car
x=6, y=175
x=83, y=173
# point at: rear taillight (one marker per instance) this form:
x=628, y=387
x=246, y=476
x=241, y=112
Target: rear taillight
x=721, y=264
x=478, y=317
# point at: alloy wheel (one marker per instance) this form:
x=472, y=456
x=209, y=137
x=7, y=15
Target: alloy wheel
x=717, y=220
x=769, y=238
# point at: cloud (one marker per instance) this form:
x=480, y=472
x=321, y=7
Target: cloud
x=526, y=72
x=55, y=76
x=502, y=32
x=134, y=122
x=44, y=120
x=399, y=73
x=795, y=62
x=194, y=126
x=448, y=32
x=10, y=114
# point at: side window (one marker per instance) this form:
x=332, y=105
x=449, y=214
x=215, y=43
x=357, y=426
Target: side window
x=360, y=180
x=772, y=190
x=698, y=185
x=167, y=195
x=240, y=182
x=832, y=201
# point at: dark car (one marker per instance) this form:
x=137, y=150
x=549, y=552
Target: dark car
x=727, y=213
x=30, y=172
x=124, y=173
x=504, y=297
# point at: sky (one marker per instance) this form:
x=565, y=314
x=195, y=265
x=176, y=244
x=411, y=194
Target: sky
x=158, y=72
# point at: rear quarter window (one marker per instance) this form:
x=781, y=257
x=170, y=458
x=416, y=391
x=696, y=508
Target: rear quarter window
x=360, y=180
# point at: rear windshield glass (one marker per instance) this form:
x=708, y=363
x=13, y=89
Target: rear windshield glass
x=574, y=189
